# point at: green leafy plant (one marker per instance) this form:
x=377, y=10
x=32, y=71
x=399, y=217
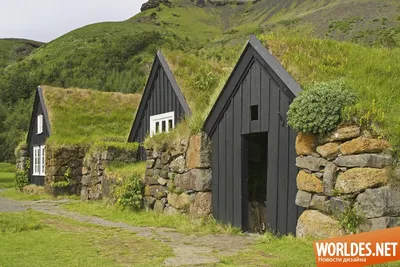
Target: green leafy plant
x=21, y=177
x=318, y=109
x=130, y=193
x=350, y=220
x=366, y=116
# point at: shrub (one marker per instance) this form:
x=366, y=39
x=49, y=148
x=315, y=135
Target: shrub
x=130, y=193
x=351, y=220
x=21, y=177
x=318, y=109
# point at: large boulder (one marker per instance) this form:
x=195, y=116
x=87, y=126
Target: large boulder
x=180, y=201
x=379, y=202
x=342, y=133
x=305, y=144
x=314, y=224
x=153, y=4
x=364, y=160
x=311, y=163
x=202, y=204
x=196, y=179
x=358, y=179
x=303, y=199
x=329, y=150
x=363, y=145
x=309, y=182
x=199, y=152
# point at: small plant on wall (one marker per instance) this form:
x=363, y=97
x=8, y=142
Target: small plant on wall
x=21, y=177
x=318, y=110
x=130, y=193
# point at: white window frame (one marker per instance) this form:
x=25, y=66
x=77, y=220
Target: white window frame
x=42, y=166
x=160, y=118
x=36, y=160
x=39, y=124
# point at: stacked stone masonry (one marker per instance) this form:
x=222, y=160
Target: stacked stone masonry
x=178, y=180
x=348, y=169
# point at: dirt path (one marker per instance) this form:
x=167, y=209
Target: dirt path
x=189, y=250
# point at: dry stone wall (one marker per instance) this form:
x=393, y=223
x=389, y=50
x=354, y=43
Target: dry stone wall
x=348, y=170
x=178, y=179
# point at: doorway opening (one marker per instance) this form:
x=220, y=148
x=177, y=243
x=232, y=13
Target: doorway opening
x=255, y=156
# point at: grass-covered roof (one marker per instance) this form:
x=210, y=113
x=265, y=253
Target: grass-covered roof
x=82, y=116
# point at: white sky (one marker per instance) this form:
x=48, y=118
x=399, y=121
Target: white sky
x=45, y=20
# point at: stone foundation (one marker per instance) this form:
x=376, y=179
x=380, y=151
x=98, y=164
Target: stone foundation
x=346, y=170
x=95, y=183
x=178, y=180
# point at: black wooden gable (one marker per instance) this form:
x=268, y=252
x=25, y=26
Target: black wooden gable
x=39, y=106
x=254, y=58
x=161, y=95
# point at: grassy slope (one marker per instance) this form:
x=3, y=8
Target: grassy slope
x=7, y=175
x=14, y=50
x=82, y=116
x=54, y=241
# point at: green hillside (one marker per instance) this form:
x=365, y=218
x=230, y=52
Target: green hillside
x=117, y=56
x=15, y=50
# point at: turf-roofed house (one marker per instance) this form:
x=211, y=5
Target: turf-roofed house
x=162, y=106
x=68, y=127
x=243, y=168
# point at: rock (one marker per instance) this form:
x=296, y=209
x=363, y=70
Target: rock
x=85, y=180
x=171, y=175
x=319, y=203
x=319, y=174
x=153, y=4
x=196, y=179
x=157, y=191
x=180, y=201
x=358, y=179
x=158, y=165
x=178, y=165
x=199, y=152
x=364, y=160
x=202, y=204
x=303, y=199
x=379, y=224
x=151, y=180
x=314, y=224
x=84, y=171
x=338, y=205
x=169, y=210
x=165, y=158
x=329, y=178
x=149, y=202
x=342, y=133
x=162, y=181
x=311, y=163
x=378, y=202
x=160, y=205
x=329, y=150
x=363, y=145
x=305, y=144
x=309, y=182
x=150, y=163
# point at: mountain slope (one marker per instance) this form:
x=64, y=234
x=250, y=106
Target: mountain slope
x=14, y=50
x=117, y=56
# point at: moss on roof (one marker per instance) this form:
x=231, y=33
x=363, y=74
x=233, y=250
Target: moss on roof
x=82, y=116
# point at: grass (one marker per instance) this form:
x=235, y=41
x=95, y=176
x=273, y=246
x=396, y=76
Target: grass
x=82, y=116
x=7, y=179
x=36, y=193
x=7, y=167
x=124, y=170
x=180, y=222
x=34, y=239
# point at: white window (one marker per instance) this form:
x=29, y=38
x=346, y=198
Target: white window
x=36, y=160
x=162, y=123
x=42, y=160
x=39, y=160
x=39, y=124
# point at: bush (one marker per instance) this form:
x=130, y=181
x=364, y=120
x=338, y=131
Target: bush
x=130, y=193
x=318, y=109
x=21, y=177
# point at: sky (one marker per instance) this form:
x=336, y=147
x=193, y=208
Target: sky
x=45, y=20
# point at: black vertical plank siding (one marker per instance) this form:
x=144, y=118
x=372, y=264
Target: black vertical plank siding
x=264, y=100
x=237, y=159
x=222, y=171
x=215, y=174
x=229, y=163
x=273, y=155
x=246, y=105
x=255, y=96
x=283, y=166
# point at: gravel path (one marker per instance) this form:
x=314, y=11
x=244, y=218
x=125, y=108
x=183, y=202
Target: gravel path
x=189, y=250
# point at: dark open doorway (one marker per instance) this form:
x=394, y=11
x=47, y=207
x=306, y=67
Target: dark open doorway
x=254, y=160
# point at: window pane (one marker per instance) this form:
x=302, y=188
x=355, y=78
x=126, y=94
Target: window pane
x=170, y=124
x=164, y=126
x=157, y=127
